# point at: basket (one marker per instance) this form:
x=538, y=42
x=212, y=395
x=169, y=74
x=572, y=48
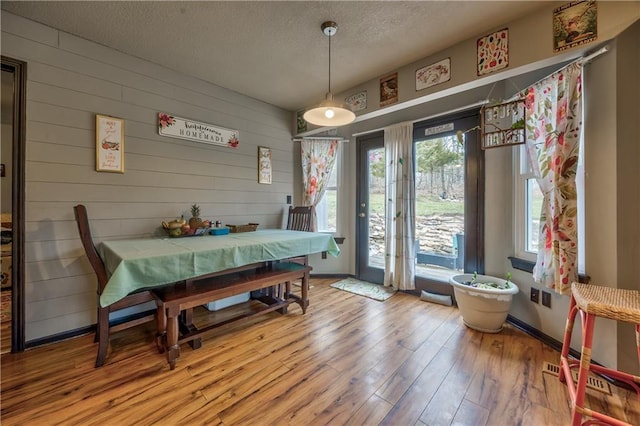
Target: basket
x=249, y=227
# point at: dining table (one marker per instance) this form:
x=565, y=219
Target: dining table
x=144, y=263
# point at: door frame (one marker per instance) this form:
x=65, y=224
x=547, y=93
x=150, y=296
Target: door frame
x=19, y=70
x=474, y=206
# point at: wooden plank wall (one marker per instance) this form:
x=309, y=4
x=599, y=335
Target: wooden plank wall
x=70, y=80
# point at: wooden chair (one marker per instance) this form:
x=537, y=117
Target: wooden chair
x=592, y=301
x=300, y=219
x=104, y=326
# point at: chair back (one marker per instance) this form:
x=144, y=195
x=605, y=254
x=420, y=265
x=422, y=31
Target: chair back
x=82, y=219
x=300, y=218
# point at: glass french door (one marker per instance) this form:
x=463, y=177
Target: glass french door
x=449, y=179
x=370, y=221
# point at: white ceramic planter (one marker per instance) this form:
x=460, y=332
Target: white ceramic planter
x=483, y=309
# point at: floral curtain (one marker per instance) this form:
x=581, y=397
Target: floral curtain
x=553, y=120
x=399, y=270
x=318, y=161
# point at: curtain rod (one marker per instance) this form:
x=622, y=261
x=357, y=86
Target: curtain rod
x=598, y=52
x=451, y=111
x=582, y=60
x=311, y=138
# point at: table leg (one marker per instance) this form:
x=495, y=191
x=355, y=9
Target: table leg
x=173, y=349
x=161, y=334
x=305, y=293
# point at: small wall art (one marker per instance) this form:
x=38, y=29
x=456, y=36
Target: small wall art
x=109, y=144
x=493, y=52
x=433, y=74
x=264, y=165
x=389, y=89
x=357, y=101
x=301, y=123
x=574, y=24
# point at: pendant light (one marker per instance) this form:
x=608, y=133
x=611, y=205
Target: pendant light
x=329, y=112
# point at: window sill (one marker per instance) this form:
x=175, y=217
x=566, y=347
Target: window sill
x=527, y=266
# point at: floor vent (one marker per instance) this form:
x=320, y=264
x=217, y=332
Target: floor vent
x=594, y=383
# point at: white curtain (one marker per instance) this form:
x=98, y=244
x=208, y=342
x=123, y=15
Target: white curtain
x=318, y=157
x=399, y=270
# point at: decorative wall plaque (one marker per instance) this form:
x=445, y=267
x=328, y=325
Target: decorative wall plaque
x=493, y=52
x=503, y=124
x=357, y=101
x=574, y=24
x=433, y=74
x=389, y=89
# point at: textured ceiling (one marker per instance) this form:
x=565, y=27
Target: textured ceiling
x=275, y=51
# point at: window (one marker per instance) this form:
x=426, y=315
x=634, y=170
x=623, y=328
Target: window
x=528, y=205
x=327, y=208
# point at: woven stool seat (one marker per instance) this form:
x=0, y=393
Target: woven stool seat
x=613, y=303
x=590, y=302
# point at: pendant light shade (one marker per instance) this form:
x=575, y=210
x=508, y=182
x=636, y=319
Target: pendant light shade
x=329, y=112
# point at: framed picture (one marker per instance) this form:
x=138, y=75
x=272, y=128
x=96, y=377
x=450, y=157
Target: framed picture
x=109, y=144
x=264, y=165
x=493, y=52
x=389, y=89
x=433, y=74
x=574, y=24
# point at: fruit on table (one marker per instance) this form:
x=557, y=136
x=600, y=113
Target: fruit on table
x=195, y=221
x=174, y=224
x=175, y=232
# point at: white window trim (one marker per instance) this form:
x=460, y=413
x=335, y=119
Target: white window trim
x=520, y=175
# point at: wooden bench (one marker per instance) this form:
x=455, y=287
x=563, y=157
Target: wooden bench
x=177, y=301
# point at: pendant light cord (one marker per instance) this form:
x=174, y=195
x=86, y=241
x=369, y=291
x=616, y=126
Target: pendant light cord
x=329, y=63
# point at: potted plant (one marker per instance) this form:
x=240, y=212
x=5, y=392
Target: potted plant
x=484, y=301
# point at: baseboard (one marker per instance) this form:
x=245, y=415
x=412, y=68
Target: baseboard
x=81, y=331
x=55, y=338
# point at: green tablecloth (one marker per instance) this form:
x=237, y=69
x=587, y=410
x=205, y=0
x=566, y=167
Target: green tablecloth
x=142, y=263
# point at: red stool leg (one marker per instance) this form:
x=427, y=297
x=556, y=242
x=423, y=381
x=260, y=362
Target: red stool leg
x=566, y=342
x=588, y=322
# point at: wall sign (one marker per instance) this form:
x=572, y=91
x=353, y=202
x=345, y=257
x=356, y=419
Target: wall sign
x=433, y=74
x=182, y=128
x=430, y=131
x=357, y=101
x=503, y=124
x=109, y=144
x=264, y=165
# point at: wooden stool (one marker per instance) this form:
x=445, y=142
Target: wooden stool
x=593, y=301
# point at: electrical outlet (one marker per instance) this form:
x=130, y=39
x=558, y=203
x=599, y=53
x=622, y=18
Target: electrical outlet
x=535, y=295
x=546, y=299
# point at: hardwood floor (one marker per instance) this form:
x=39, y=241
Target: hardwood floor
x=349, y=360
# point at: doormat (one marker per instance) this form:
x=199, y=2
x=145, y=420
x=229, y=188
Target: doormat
x=594, y=383
x=5, y=306
x=363, y=288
